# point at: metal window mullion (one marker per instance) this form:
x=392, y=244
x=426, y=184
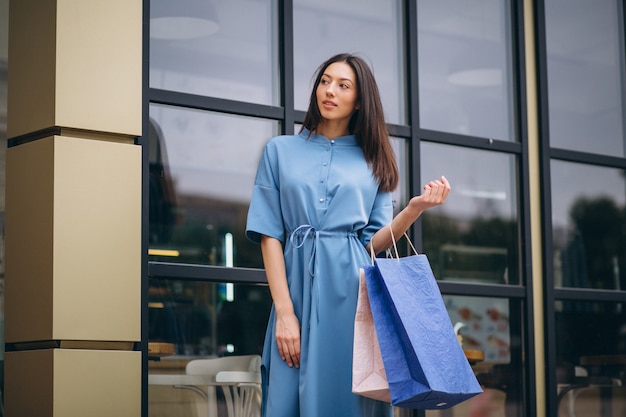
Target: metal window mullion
x=286, y=42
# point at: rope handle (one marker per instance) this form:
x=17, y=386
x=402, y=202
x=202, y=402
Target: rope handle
x=395, y=247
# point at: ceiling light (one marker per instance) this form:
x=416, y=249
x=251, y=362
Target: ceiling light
x=478, y=65
x=182, y=19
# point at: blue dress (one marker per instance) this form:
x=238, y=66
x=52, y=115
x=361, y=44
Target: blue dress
x=319, y=198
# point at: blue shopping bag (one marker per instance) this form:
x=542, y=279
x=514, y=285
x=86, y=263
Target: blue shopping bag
x=425, y=365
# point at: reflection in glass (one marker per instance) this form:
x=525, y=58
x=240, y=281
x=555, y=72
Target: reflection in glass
x=202, y=168
x=491, y=326
x=208, y=319
x=217, y=51
x=200, y=320
x=371, y=28
x=465, y=70
x=399, y=195
x=586, y=84
x=587, y=226
x=474, y=236
x=591, y=350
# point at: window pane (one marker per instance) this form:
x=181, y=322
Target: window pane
x=474, y=236
x=199, y=320
x=591, y=358
x=216, y=51
x=208, y=319
x=399, y=195
x=371, y=28
x=490, y=328
x=465, y=70
x=585, y=51
x=202, y=168
x=587, y=226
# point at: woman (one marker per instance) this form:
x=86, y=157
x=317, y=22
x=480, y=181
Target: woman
x=320, y=199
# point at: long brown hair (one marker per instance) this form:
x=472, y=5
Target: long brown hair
x=367, y=122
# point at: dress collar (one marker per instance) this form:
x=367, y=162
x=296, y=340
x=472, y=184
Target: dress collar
x=341, y=140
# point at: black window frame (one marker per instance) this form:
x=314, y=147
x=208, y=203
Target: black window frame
x=411, y=132
x=553, y=294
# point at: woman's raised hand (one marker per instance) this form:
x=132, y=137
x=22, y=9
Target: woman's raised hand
x=435, y=193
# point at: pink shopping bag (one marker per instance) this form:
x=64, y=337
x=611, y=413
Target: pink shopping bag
x=368, y=371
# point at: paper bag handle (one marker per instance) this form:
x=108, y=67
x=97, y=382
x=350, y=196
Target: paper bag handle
x=395, y=247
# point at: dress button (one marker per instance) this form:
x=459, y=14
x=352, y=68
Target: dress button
x=325, y=163
x=321, y=200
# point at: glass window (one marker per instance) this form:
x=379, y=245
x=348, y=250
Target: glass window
x=489, y=330
x=371, y=28
x=474, y=236
x=585, y=60
x=202, y=169
x=199, y=320
x=591, y=358
x=212, y=48
x=399, y=196
x=465, y=67
x=208, y=319
x=588, y=221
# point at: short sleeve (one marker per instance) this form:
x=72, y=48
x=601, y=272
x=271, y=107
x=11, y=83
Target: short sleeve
x=264, y=213
x=381, y=215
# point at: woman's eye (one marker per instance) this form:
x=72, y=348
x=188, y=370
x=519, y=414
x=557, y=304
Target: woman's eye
x=324, y=82
x=344, y=85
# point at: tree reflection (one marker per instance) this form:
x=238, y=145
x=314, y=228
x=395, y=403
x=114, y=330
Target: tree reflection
x=490, y=245
x=593, y=254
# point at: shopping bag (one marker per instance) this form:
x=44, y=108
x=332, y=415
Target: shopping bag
x=425, y=365
x=368, y=371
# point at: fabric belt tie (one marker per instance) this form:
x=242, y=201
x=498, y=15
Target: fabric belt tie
x=298, y=237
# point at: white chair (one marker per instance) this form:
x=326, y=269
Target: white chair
x=581, y=381
x=239, y=378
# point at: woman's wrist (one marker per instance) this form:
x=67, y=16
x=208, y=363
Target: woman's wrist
x=283, y=308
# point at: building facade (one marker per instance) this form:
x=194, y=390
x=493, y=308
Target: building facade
x=134, y=129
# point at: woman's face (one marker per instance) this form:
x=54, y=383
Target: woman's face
x=337, y=93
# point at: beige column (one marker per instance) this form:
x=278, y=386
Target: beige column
x=535, y=204
x=73, y=208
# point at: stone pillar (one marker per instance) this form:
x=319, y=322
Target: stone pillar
x=73, y=209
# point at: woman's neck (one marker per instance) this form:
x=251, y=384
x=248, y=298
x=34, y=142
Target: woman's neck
x=332, y=130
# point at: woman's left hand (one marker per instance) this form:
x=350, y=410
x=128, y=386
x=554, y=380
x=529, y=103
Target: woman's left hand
x=435, y=193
